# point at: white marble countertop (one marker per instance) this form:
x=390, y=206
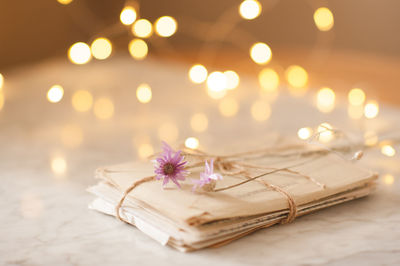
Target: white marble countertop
x=44, y=215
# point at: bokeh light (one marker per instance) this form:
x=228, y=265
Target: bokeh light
x=232, y=79
x=371, y=109
x=145, y=150
x=388, y=179
x=143, y=93
x=260, y=110
x=142, y=28
x=228, y=107
x=82, y=100
x=166, y=26
x=250, y=9
x=388, y=150
x=216, y=81
x=304, y=133
x=325, y=132
x=260, y=53
x=138, y=49
x=356, y=96
x=101, y=48
x=370, y=138
x=79, y=53
x=103, y=108
x=216, y=95
x=198, y=74
x=296, y=76
x=58, y=165
x=1, y=81
x=64, y=2
x=199, y=122
x=1, y=100
x=55, y=94
x=192, y=143
x=268, y=79
x=168, y=132
x=323, y=19
x=128, y=15
x=71, y=136
x=326, y=100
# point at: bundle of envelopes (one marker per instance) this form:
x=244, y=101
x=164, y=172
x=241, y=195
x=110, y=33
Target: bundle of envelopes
x=189, y=220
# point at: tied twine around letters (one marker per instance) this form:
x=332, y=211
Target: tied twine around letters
x=236, y=165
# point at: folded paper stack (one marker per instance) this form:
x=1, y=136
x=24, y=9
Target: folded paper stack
x=189, y=220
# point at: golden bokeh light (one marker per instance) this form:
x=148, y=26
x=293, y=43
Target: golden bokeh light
x=128, y=15
x=296, y=76
x=216, y=95
x=250, y=9
x=1, y=81
x=388, y=179
x=142, y=28
x=199, y=122
x=58, y=165
x=103, y=108
x=64, y=2
x=138, y=49
x=192, y=143
x=198, y=74
x=356, y=96
x=82, y=100
x=325, y=132
x=1, y=100
x=145, y=150
x=323, y=19
x=371, y=109
x=216, y=81
x=355, y=111
x=232, y=79
x=388, y=150
x=268, y=79
x=370, y=138
x=79, y=53
x=101, y=48
x=71, y=136
x=165, y=26
x=260, y=110
x=55, y=94
x=228, y=107
x=143, y=93
x=168, y=132
x=326, y=100
x=260, y=53
x=304, y=133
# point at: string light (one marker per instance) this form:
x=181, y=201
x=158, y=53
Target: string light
x=166, y=26
x=168, y=132
x=198, y=74
x=138, y=49
x=371, y=109
x=64, y=2
x=79, y=53
x=101, y=48
x=326, y=100
x=232, y=79
x=143, y=93
x=356, y=96
x=250, y=9
x=192, y=143
x=296, y=76
x=388, y=179
x=260, y=110
x=142, y=28
x=58, y=165
x=145, y=150
x=55, y=94
x=216, y=81
x=71, y=136
x=323, y=19
x=128, y=15
x=199, y=122
x=103, y=108
x=260, y=53
x=1, y=81
x=325, y=132
x=82, y=100
x=304, y=133
x=268, y=79
x=228, y=107
x=388, y=150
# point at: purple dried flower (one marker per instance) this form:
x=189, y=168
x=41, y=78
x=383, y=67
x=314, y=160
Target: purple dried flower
x=207, y=177
x=170, y=166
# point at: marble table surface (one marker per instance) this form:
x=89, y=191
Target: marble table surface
x=49, y=153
